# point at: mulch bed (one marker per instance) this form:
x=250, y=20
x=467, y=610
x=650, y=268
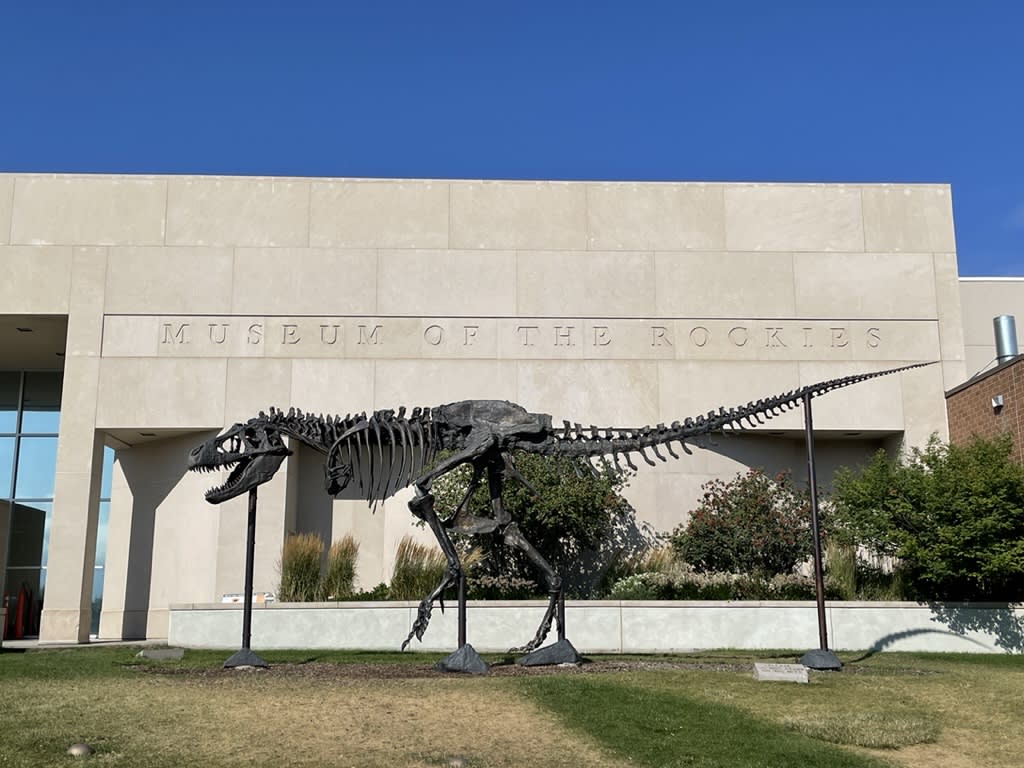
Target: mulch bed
x=360, y=671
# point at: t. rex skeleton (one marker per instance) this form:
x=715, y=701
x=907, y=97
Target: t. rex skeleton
x=387, y=450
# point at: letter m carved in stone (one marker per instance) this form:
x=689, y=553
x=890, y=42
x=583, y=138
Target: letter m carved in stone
x=172, y=336
x=369, y=337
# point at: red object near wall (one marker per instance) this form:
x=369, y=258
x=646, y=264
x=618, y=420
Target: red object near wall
x=21, y=612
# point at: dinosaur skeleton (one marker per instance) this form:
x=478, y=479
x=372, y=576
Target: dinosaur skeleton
x=386, y=450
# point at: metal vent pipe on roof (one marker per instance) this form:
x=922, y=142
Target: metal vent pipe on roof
x=1005, y=328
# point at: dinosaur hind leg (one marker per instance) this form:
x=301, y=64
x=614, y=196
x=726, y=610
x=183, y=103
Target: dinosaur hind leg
x=422, y=506
x=514, y=537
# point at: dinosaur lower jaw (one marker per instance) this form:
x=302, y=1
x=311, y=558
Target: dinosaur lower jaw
x=231, y=487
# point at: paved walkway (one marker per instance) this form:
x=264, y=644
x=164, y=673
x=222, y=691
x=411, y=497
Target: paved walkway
x=34, y=643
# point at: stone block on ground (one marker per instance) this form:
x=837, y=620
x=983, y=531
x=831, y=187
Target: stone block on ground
x=465, y=659
x=244, y=658
x=787, y=673
x=162, y=654
x=821, y=659
x=561, y=652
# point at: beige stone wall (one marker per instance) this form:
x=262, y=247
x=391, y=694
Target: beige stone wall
x=196, y=301
x=982, y=299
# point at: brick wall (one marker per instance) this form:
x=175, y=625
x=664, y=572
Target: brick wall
x=970, y=412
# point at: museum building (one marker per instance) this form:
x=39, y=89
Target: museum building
x=140, y=315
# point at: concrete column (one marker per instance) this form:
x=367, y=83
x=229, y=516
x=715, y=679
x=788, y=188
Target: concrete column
x=72, y=548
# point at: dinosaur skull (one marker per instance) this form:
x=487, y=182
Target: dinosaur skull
x=252, y=451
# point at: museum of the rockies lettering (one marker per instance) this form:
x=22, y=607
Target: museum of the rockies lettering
x=527, y=334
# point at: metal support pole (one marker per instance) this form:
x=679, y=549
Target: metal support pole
x=560, y=615
x=250, y=557
x=822, y=658
x=462, y=609
x=245, y=657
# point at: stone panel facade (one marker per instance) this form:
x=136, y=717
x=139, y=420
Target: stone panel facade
x=192, y=302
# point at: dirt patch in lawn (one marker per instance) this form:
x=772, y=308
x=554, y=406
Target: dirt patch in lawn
x=368, y=671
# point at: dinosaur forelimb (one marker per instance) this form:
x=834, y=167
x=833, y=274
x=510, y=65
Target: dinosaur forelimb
x=422, y=506
x=450, y=578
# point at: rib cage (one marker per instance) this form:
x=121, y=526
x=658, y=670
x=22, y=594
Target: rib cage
x=385, y=449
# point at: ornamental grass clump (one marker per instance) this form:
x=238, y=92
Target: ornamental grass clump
x=300, y=568
x=418, y=569
x=339, y=579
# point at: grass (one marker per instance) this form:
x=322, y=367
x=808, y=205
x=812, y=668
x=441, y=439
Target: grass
x=886, y=709
x=878, y=730
x=654, y=725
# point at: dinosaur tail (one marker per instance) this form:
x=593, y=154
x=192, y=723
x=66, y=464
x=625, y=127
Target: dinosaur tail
x=575, y=440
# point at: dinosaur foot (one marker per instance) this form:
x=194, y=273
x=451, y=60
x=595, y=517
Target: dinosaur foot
x=465, y=660
x=561, y=652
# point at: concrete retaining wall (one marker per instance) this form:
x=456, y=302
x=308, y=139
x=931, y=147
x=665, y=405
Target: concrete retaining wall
x=613, y=626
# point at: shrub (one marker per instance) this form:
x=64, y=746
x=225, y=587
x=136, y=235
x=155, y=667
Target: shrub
x=953, y=515
x=339, y=579
x=577, y=510
x=300, y=568
x=380, y=592
x=684, y=583
x=487, y=587
x=752, y=524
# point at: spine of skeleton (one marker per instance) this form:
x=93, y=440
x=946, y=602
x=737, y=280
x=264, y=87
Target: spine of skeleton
x=576, y=440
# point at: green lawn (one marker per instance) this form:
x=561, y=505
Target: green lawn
x=374, y=709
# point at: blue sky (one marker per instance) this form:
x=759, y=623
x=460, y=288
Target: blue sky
x=720, y=90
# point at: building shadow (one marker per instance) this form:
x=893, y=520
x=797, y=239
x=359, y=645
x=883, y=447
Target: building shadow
x=151, y=472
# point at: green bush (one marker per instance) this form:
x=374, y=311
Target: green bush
x=751, y=524
x=577, y=509
x=953, y=515
x=339, y=579
x=378, y=593
x=300, y=568
x=488, y=587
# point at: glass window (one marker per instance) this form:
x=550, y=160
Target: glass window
x=101, y=534
x=6, y=466
x=37, y=463
x=10, y=383
x=27, y=535
x=24, y=593
x=41, y=403
x=97, y=600
x=108, y=471
x=46, y=506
